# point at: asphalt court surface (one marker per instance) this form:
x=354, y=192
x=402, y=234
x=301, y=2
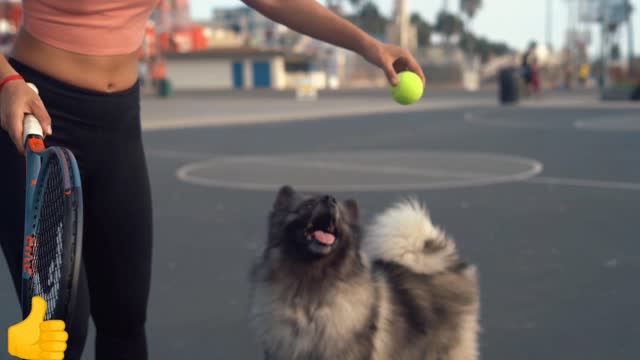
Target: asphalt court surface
x=544, y=205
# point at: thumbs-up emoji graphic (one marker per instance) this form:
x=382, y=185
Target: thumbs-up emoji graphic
x=36, y=339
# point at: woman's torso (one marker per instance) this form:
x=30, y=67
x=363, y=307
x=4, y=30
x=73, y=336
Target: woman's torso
x=91, y=44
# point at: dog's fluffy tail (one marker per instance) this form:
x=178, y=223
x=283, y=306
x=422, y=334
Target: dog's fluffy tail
x=404, y=234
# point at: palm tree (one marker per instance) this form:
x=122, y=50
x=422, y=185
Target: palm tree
x=449, y=24
x=354, y=3
x=470, y=7
x=424, y=29
x=369, y=18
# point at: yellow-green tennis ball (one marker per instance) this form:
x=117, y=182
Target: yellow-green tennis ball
x=409, y=88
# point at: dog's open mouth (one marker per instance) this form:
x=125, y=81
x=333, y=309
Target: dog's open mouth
x=321, y=234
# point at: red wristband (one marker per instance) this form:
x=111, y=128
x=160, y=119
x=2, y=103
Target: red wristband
x=10, y=78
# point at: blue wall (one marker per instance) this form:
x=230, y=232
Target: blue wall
x=261, y=74
x=238, y=74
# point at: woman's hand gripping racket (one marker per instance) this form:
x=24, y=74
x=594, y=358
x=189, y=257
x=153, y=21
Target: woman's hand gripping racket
x=53, y=226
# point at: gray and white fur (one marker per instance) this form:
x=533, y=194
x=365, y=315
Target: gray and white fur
x=397, y=290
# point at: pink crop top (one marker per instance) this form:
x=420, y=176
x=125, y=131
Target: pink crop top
x=90, y=27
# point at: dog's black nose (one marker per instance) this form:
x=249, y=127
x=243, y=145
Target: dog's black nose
x=330, y=200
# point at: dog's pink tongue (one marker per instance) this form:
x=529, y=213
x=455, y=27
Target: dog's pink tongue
x=324, y=237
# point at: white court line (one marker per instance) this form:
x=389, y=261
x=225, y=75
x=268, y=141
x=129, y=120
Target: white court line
x=582, y=104
x=613, y=123
x=598, y=184
x=354, y=167
x=179, y=155
x=533, y=179
x=461, y=178
x=616, y=124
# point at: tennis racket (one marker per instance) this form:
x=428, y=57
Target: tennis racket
x=52, y=226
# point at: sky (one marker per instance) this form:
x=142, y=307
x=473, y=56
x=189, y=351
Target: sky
x=514, y=21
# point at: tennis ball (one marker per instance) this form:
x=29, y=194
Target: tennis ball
x=409, y=88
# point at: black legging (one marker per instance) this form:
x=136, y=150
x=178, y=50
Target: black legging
x=103, y=131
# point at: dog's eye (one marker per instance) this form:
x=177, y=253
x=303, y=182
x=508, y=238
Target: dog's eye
x=291, y=217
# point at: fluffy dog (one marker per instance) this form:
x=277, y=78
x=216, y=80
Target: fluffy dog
x=323, y=289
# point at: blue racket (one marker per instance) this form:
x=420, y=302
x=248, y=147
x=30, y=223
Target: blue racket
x=52, y=226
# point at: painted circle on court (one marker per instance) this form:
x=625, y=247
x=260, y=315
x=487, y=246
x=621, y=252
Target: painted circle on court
x=620, y=123
x=359, y=171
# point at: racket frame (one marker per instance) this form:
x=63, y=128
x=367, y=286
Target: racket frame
x=38, y=159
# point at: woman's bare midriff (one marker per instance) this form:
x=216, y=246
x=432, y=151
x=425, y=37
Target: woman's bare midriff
x=99, y=73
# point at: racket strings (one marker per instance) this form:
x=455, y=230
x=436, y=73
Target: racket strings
x=70, y=256
x=48, y=249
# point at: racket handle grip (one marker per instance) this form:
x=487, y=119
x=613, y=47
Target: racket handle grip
x=31, y=125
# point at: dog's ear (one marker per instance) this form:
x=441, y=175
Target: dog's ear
x=352, y=209
x=285, y=198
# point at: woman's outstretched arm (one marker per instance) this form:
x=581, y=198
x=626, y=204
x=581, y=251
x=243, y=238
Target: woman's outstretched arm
x=311, y=18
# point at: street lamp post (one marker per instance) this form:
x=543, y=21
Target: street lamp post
x=549, y=23
x=604, y=45
x=630, y=36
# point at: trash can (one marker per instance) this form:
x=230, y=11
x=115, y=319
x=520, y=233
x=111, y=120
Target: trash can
x=508, y=86
x=164, y=88
x=636, y=93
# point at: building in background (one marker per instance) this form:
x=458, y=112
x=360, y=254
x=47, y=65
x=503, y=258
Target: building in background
x=174, y=29
x=250, y=25
x=295, y=59
x=241, y=68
